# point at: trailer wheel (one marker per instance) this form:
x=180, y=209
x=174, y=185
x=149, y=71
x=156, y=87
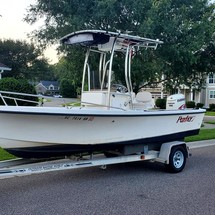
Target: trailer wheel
x=177, y=159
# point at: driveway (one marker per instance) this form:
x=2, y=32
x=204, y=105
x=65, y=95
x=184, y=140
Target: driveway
x=208, y=119
x=58, y=102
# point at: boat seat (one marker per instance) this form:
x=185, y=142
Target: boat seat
x=143, y=100
x=144, y=96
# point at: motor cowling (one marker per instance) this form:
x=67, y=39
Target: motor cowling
x=176, y=102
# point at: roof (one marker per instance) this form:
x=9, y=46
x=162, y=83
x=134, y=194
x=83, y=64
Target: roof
x=103, y=40
x=4, y=67
x=48, y=83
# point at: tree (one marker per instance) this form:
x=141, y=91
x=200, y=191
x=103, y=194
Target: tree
x=25, y=60
x=185, y=26
x=70, y=66
x=189, y=29
x=67, y=89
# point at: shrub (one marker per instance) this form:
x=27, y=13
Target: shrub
x=190, y=104
x=199, y=105
x=20, y=86
x=161, y=103
x=212, y=107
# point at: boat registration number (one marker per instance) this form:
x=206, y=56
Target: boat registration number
x=79, y=118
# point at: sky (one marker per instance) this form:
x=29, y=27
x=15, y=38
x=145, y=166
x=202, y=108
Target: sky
x=13, y=27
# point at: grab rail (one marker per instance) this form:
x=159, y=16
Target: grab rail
x=106, y=106
x=15, y=99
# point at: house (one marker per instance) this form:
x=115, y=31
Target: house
x=48, y=88
x=190, y=94
x=208, y=94
x=161, y=92
x=3, y=68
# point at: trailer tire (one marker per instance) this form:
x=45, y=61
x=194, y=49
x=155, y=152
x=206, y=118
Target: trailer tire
x=177, y=159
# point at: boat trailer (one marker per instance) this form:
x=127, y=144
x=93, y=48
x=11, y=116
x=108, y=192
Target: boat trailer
x=172, y=154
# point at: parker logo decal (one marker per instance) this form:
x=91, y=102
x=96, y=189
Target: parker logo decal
x=182, y=119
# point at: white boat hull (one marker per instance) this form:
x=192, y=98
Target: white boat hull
x=45, y=132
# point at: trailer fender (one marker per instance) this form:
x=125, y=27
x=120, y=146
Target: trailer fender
x=165, y=150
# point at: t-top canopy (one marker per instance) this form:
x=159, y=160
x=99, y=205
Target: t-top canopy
x=103, y=40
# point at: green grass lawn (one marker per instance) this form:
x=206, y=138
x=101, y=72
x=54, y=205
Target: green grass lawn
x=5, y=156
x=72, y=104
x=204, y=134
x=210, y=113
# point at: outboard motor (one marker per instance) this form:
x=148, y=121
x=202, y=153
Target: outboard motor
x=175, y=102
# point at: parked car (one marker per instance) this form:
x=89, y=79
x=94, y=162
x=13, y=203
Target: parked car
x=57, y=96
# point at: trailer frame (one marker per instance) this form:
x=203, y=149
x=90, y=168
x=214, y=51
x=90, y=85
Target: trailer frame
x=20, y=167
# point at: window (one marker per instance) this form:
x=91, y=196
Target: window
x=211, y=79
x=51, y=87
x=212, y=94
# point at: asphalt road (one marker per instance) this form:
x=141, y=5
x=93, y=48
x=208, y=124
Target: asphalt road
x=136, y=188
x=57, y=102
